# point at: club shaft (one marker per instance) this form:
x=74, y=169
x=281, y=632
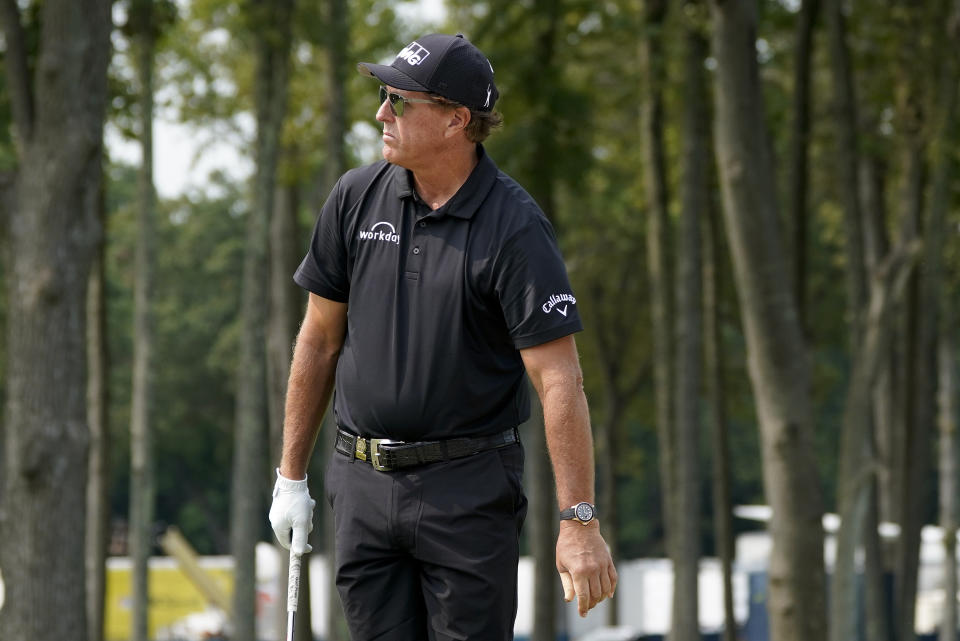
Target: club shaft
x=293, y=593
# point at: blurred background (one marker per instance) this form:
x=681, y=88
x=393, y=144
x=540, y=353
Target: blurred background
x=759, y=207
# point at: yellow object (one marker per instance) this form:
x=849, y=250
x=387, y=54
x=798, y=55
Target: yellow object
x=173, y=595
x=174, y=544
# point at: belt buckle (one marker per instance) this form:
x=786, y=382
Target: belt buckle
x=375, y=453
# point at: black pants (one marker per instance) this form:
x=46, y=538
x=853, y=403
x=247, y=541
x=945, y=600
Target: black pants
x=429, y=553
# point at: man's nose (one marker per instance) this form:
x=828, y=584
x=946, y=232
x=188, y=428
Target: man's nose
x=385, y=113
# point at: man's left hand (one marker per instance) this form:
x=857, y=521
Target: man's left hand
x=583, y=561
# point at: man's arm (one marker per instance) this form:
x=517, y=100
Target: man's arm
x=311, y=381
x=583, y=560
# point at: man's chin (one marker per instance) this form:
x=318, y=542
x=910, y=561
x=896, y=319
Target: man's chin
x=391, y=156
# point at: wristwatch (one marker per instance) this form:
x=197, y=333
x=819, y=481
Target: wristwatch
x=582, y=513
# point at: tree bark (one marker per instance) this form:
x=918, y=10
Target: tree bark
x=613, y=327
x=938, y=326
x=947, y=407
x=799, y=150
x=142, y=466
x=273, y=28
x=338, y=37
x=855, y=473
x=98, y=483
x=658, y=242
x=543, y=527
x=689, y=340
x=713, y=372
x=777, y=357
x=853, y=486
x=284, y=313
x=52, y=231
x=923, y=380
x=541, y=183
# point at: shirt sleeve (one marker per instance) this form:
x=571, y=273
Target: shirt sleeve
x=323, y=270
x=534, y=291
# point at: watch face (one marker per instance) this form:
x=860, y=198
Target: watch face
x=584, y=511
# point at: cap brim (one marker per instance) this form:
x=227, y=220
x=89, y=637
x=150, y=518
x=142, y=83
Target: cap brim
x=390, y=76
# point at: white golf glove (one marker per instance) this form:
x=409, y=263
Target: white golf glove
x=292, y=509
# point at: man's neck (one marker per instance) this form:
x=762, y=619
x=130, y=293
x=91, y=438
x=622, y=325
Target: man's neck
x=438, y=183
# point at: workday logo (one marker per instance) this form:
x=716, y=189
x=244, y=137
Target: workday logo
x=413, y=53
x=383, y=232
x=554, y=303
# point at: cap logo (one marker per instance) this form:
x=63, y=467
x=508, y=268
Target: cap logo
x=487, y=103
x=413, y=53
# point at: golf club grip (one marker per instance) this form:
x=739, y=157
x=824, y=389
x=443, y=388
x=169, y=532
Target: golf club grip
x=293, y=583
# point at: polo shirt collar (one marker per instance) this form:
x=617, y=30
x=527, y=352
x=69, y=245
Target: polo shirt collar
x=465, y=203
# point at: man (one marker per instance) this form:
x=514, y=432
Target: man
x=435, y=285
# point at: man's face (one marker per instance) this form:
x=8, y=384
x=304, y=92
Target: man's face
x=413, y=139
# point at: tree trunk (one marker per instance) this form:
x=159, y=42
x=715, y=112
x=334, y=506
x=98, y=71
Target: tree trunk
x=853, y=486
x=713, y=371
x=777, y=355
x=98, y=483
x=282, y=322
x=337, y=38
x=947, y=407
x=607, y=496
x=52, y=231
x=799, y=150
x=845, y=107
x=543, y=526
x=689, y=342
x=540, y=180
x=938, y=325
x=142, y=466
x=923, y=380
x=251, y=441
x=855, y=475
x=614, y=327
x=658, y=242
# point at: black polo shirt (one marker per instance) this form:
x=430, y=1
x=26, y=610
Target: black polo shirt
x=439, y=302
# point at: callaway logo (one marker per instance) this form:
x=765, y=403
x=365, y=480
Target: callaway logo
x=382, y=231
x=413, y=53
x=554, y=302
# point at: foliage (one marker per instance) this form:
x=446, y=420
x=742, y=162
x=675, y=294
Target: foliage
x=201, y=244
x=581, y=110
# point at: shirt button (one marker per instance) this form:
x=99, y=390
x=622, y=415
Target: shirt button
x=422, y=224
x=416, y=250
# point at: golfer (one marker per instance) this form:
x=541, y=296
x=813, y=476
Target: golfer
x=435, y=285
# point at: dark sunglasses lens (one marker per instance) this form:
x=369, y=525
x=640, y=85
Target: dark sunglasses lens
x=396, y=101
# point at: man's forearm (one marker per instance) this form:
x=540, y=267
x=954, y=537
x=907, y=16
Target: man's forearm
x=567, y=423
x=308, y=393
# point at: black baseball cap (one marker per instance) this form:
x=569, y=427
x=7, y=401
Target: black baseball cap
x=449, y=66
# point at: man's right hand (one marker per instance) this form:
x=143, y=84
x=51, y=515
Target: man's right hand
x=292, y=509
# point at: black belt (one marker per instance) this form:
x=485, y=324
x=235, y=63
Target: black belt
x=386, y=455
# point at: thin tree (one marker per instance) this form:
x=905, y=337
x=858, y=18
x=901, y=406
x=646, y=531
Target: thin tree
x=141, y=27
x=713, y=373
x=777, y=357
x=853, y=487
x=947, y=408
x=270, y=22
x=922, y=384
x=58, y=99
x=689, y=334
x=800, y=150
x=98, y=481
x=337, y=36
x=283, y=317
x=659, y=270
x=910, y=440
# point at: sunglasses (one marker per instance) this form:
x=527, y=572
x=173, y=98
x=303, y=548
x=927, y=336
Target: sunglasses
x=398, y=102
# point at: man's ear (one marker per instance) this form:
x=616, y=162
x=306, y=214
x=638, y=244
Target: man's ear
x=459, y=119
